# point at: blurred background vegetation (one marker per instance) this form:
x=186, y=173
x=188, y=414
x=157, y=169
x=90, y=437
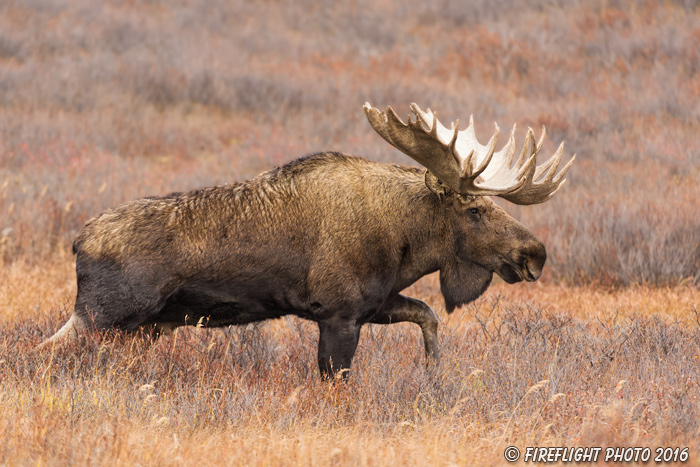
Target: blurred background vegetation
x=103, y=102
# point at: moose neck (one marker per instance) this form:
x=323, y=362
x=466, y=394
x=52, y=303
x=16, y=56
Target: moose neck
x=427, y=245
x=431, y=246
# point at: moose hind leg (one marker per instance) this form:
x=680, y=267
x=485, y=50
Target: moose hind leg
x=117, y=311
x=401, y=308
x=336, y=347
x=112, y=295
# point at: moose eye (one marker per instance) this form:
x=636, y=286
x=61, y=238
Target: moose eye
x=474, y=211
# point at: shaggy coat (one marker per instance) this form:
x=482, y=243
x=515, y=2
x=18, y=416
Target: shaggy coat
x=329, y=237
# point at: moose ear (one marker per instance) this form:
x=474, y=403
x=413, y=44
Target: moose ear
x=436, y=186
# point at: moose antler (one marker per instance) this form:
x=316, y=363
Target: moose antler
x=468, y=167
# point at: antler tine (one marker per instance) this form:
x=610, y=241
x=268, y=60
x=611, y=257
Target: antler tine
x=526, y=152
x=465, y=165
x=510, y=147
x=529, y=167
x=489, y=155
x=538, y=189
x=562, y=172
x=541, y=140
x=552, y=163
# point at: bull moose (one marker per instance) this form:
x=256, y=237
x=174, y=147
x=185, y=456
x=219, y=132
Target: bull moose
x=328, y=237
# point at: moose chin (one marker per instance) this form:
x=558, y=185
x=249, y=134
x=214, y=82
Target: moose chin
x=328, y=237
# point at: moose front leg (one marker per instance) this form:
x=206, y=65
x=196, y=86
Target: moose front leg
x=336, y=347
x=401, y=308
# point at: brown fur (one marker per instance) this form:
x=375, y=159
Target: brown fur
x=328, y=237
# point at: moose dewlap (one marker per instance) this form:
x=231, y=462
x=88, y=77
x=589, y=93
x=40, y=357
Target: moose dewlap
x=329, y=237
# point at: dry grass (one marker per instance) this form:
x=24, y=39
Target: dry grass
x=103, y=102
x=525, y=365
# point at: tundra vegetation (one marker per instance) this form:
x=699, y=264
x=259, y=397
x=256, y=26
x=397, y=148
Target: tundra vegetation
x=105, y=103
x=328, y=237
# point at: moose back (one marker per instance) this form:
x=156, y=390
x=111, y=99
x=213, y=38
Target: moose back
x=329, y=237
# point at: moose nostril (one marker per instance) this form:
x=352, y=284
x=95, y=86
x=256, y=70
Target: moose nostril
x=537, y=254
x=531, y=274
x=534, y=263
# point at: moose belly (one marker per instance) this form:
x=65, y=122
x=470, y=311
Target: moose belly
x=225, y=305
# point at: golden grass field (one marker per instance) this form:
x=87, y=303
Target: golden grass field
x=101, y=103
